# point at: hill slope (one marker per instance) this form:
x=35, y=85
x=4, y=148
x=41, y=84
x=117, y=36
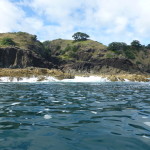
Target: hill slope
x=93, y=57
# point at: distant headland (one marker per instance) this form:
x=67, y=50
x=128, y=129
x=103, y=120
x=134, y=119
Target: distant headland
x=21, y=54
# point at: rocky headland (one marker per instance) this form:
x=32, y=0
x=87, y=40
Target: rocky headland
x=21, y=54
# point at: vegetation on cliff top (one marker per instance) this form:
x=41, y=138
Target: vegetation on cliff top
x=22, y=40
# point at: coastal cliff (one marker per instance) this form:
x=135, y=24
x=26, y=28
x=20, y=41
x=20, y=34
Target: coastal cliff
x=87, y=57
x=12, y=57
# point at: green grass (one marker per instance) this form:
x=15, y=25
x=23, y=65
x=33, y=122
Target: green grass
x=68, y=49
x=22, y=40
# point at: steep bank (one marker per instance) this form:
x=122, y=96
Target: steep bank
x=13, y=57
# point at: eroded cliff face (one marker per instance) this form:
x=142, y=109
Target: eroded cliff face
x=103, y=66
x=13, y=57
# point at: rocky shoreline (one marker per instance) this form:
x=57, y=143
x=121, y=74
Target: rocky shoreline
x=43, y=73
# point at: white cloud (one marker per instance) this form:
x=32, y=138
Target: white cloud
x=104, y=21
x=10, y=16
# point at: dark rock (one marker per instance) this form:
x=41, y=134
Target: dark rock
x=103, y=66
x=13, y=57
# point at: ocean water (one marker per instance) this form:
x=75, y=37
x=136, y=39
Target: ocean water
x=75, y=116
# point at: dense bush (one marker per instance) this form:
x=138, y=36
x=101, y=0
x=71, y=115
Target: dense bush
x=117, y=46
x=7, y=41
x=129, y=54
x=135, y=45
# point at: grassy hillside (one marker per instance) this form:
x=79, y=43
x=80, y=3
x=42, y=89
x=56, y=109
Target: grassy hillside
x=75, y=50
x=92, y=51
x=22, y=40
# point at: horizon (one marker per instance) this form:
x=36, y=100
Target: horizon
x=101, y=20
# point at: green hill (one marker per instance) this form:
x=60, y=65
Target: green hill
x=21, y=40
x=92, y=51
x=75, y=50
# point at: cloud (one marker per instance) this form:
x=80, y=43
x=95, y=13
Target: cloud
x=10, y=16
x=104, y=21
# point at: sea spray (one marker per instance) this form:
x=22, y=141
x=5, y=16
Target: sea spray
x=108, y=78
x=52, y=79
x=86, y=79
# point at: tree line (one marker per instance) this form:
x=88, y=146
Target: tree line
x=121, y=46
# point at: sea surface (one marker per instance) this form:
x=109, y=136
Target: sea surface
x=75, y=116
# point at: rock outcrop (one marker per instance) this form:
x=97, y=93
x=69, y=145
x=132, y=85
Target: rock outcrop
x=13, y=57
x=108, y=65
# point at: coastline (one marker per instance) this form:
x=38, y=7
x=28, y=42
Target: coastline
x=33, y=74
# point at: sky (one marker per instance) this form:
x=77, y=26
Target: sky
x=104, y=21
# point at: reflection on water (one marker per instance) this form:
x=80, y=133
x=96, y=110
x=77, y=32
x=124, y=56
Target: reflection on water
x=75, y=116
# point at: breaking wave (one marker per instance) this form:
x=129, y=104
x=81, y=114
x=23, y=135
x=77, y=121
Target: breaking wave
x=52, y=79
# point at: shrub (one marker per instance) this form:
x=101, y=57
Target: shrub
x=71, y=54
x=129, y=54
x=75, y=48
x=117, y=47
x=138, y=62
x=34, y=38
x=7, y=41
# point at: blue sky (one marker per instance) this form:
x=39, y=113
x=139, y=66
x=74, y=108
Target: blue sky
x=104, y=20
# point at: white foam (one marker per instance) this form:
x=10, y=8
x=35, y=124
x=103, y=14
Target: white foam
x=46, y=109
x=93, y=112
x=86, y=79
x=25, y=79
x=52, y=79
x=126, y=80
x=144, y=117
x=144, y=136
x=15, y=103
x=40, y=112
x=147, y=123
x=47, y=116
x=55, y=101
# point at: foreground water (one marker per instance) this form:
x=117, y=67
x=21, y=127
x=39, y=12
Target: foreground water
x=75, y=116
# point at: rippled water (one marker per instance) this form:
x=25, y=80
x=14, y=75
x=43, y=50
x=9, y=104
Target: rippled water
x=75, y=116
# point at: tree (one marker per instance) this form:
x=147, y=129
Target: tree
x=148, y=46
x=117, y=46
x=79, y=36
x=136, y=44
